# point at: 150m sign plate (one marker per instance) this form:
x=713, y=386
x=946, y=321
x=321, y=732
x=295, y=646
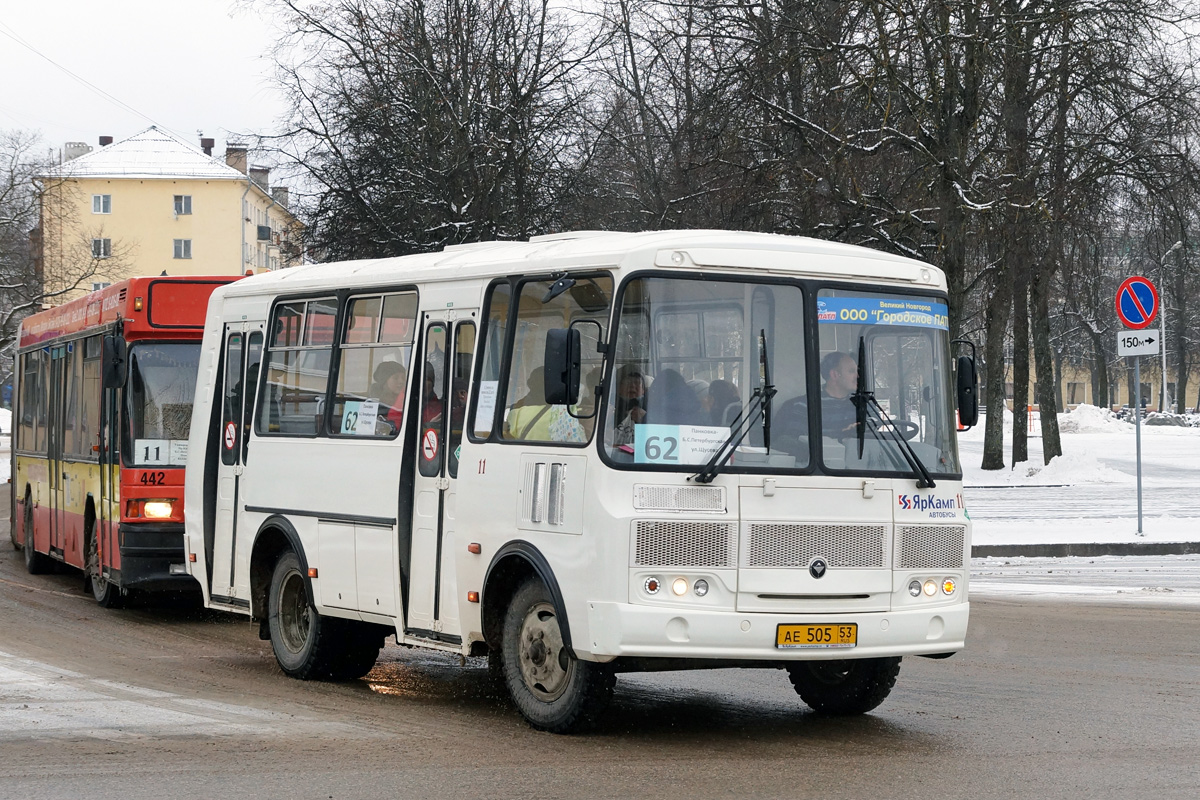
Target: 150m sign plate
x=816, y=637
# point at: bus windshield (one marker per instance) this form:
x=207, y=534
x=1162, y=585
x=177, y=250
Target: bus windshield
x=159, y=392
x=901, y=344
x=692, y=356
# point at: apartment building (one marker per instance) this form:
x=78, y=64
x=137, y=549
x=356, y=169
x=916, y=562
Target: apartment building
x=155, y=204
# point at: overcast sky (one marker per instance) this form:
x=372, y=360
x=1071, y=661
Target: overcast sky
x=186, y=65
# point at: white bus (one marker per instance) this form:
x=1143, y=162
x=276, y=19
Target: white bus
x=589, y=454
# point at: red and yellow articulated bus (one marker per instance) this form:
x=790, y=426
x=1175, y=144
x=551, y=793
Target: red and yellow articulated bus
x=103, y=404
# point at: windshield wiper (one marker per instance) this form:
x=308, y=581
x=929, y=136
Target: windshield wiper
x=764, y=380
x=866, y=406
x=760, y=407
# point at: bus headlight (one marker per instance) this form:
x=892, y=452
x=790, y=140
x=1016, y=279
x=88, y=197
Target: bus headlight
x=700, y=587
x=157, y=509
x=930, y=588
x=914, y=588
x=679, y=586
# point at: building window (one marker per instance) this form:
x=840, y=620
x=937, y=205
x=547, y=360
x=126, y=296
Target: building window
x=183, y=204
x=183, y=248
x=98, y=285
x=102, y=204
x=101, y=248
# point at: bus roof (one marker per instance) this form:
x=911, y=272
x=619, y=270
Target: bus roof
x=687, y=250
x=162, y=307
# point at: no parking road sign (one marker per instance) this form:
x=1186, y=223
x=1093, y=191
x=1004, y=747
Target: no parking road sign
x=1137, y=302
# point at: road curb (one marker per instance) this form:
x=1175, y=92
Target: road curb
x=1085, y=549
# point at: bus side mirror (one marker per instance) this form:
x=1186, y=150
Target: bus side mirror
x=113, y=357
x=968, y=392
x=561, y=375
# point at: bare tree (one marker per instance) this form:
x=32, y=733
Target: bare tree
x=424, y=123
x=28, y=280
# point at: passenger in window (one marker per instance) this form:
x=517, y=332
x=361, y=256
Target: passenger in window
x=458, y=404
x=839, y=418
x=388, y=387
x=629, y=409
x=540, y=422
x=673, y=402
x=722, y=402
x=431, y=404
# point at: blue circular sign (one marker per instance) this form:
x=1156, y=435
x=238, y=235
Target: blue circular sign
x=1137, y=302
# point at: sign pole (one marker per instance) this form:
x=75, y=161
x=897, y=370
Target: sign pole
x=1137, y=305
x=1137, y=430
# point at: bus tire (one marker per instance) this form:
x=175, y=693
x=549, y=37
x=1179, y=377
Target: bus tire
x=357, y=654
x=552, y=689
x=302, y=639
x=107, y=594
x=844, y=688
x=35, y=562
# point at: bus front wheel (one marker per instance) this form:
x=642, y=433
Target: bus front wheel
x=35, y=562
x=551, y=688
x=107, y=594
x=303, y=640
x=843, y=688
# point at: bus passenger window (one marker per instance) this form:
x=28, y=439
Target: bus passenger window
x=297, y=368
x=373, y=366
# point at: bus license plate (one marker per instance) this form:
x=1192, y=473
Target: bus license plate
x=816, y=637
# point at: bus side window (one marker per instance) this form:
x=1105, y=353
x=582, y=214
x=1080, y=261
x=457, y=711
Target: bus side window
x=298, y=367
x=29, y=389
x=372, y=378
x=89, y=406
x=495, y=327
x=528, y=416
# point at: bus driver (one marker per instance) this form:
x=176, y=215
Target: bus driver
x=838, y=413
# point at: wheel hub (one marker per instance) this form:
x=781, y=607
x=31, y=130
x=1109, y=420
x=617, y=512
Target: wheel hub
x=544, y=666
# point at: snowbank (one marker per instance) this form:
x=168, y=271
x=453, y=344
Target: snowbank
x=1073, y=467
x=1092, y=419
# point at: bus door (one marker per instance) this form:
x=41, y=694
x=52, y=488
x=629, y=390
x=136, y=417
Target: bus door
x=445, y=369
x=239, y=382
x=54, y=449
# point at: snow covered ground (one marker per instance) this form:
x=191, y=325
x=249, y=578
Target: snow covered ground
x=1089, y=494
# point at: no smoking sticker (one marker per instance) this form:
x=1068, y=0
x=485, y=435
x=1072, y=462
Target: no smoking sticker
x=230, y=435
x=429, y=445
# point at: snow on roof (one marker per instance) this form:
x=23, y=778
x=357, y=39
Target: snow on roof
x=153, y=153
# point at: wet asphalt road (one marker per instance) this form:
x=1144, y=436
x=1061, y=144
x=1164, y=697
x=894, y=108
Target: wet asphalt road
x=1053, y=698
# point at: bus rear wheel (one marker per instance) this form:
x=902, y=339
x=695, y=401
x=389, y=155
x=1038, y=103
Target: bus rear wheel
x=844, y=688
x=552, y=689
x=35, y=562
x=107, y=594
x=304, y=642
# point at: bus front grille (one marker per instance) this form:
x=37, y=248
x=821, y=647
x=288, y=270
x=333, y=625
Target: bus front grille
x=684, y=543
x=778, y=544
x=649, y=497
x=930, y=546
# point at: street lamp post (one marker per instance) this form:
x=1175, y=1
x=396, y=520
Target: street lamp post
x=1162, y=323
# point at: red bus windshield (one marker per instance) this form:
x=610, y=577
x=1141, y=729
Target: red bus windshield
x=159, y=392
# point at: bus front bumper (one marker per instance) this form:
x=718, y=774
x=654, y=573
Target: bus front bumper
x=152, y=558
x=625, y=630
